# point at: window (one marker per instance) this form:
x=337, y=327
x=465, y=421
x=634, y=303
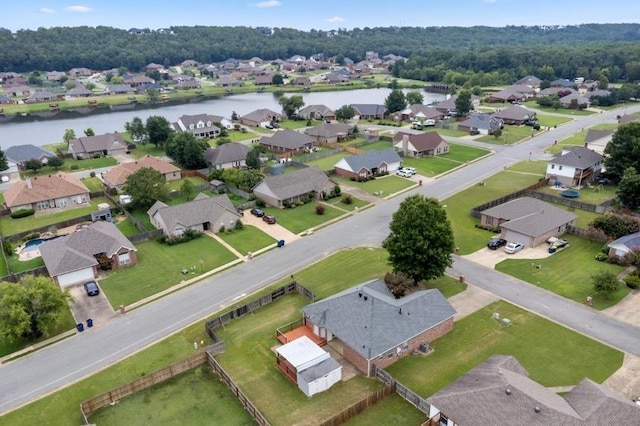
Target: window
x=191, y=126
x=559, y=167
x=553, y=166
x=124, y=258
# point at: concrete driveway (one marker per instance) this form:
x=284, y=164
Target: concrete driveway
x=276, y=230
x=490, y=258
x=84, y=307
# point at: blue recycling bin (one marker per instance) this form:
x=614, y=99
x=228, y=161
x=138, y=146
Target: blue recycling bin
x=280, y=243
x=80, y=327
x=90, y=323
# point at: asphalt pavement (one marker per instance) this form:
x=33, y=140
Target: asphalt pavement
x=63, y=363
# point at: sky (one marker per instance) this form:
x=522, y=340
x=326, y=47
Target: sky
x=312, y=14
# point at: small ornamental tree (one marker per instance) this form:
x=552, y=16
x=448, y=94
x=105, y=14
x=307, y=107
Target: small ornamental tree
x=605, y=283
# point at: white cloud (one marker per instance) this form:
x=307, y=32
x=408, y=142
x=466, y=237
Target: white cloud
x=268, y=3
x=47, y=10
x=78, y=9
x=335, y=19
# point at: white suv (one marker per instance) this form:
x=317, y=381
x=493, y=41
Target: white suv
x=404, y=173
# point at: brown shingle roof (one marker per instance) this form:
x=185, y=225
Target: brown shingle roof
x=422, y=141
x=118, y=175
x=42, y=188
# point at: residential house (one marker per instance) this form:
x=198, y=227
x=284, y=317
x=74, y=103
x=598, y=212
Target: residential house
x=317, y=112
x=79, y=72
x=624, y=245
x=288, y=142
x=226, y=81
x=78, y=92
x=597, y=93
x=54, y=75
x=515, y=93
x=308, y=365
x=5, y=100
x=564, y=82
x=597, y=140
x=137, y=80
x=227, y=155
x=97, y=146
x=528, y=221
x=368, y=111
x=19, y=154
x=575, y=166
x=59, y=191
x=190, y=63
x=301, y=81
x=335, y=78
x=19, y=91
x=428, y=144
x=76, y=257
x=153, y=67
x=418, y=112
x=369, y=163
x=187, y=85
x=222, y=122
x=116, y=177
x=558, y=90
x=260, y=118
x=41, y=96
x=500, y=392
x=299, y=185
x=263, y=80
x=199, y=125
x=203, y=214
x=516, y=115
x=374, y=327
x=330, y=132
x=574, y=100
x=448, y=106
x=531, y=81
x=118, y=89
x=481, y=123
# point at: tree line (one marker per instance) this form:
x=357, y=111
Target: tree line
x=436, y=53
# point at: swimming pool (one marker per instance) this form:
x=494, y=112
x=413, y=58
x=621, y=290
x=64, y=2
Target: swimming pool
x=32, y=245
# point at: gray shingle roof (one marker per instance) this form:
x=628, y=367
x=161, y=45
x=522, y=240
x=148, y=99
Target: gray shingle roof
x=515, y=112
x=578, y=157
x=372, y=159
x=288, y=139
x=482, y=121
x=21, y=153
x=529, y=80
x=226, y=153
x=631, y=241
x=75, y=251
x=90, y=144
x=299, y=182
x=319, y=370
x=530, y=216
x=327, y=130
x=260, y=115
x=371, y=321
x=369, y=109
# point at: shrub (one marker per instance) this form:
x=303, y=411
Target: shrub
x=31, y=236
x=320, y=209
x=260, y=202
x=239, y=225
x=221, y=229
x=301, y=203
x=7, y=248
x=346, y=199
x=74, y=167
x=22, y=213
x=632, y=281
x=337, y=190
x=352, y=179
x=92, y=174
x=286, y=204
x=601, y=257
x=188, y=235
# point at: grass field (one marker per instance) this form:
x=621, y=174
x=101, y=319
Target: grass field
x=301, y=218
x=72, y=165
x=568, y=272
x=510, y=135
x=382, y=186
x=93, y=184
x=551, y=120
x=190, y=398
x=393, y=409
x=553, y=355
x=328, y=162
x=570, y=112
x=578, y=138
x=159, y=267
x=127, y=228
x=592, y=195
x=247, y=239
x=176, y=185
x=355, y=203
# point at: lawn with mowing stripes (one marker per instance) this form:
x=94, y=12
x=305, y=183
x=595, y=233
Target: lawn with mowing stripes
x=352, y=205
x=247, y=239
x=300, y=218
x=327, y=163
x=383, y=186
x=552, y=354
x=546, y=120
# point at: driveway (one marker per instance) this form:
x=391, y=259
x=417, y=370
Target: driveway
x=490, y=258
x=276, y=230
x=123, y=158
x=84, y=307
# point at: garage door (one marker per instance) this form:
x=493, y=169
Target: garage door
x=65, y=280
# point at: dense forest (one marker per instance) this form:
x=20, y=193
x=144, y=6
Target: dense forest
x=564, y=51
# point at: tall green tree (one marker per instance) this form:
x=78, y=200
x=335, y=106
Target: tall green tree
x=605, y=283
x=345, y=112
x=291, y=105
x=89, y=132
x=395, y=101
x=55, y=162
x=188, y=189
x=68, y=135
x=153, y=95
x=277, y=80
x=187, y=150
x=158, y=129
x=137, y=130
x=31, y=308
x=4, y=164
x=253, y=159
x=146, y=186
x=629, y=189
x=463, y=102
x=421, y=239
x=33, y=164
x=623, y=151
x=414, y=97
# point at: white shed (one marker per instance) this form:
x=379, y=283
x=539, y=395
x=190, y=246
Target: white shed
x=315, y=370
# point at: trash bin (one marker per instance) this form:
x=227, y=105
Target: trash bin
x=89, y=323
x=80, y=327
x=280, y=243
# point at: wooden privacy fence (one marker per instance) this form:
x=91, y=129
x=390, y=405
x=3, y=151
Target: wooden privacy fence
x=406, y=393
x=357, y=408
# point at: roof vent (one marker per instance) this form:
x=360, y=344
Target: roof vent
x=359, y=294
x=508, y=391
x=365, y=297
x=400, y=311
x=536, y=409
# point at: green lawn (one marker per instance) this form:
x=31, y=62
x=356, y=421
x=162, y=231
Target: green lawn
x=127, y=228
x=568, y=272
x=383, y=186
x=464, y=153
x=593, y=195
x=446, y=132
x=194, y=397
x=578, y=138
x=143, y=217
x=355, y=202
x=394, y=409
x=93, y=184
x=10, y=226
x=538, y=167
x=147, y=149
x=327, y=163
x=238, y=136
x=431, y=166
x=552, y=354
x=376, y=146
x=534, y=105
x=248, y=239
x=16, y=265
x=303, y=217
x=292, y=124
x=159, y=267
x=467, y=236
x=176, y=185
x=551, y=120
x=510, y=135
x=71, y=165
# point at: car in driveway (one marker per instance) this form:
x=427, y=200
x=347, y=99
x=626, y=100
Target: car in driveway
x=404, y=173
x=269, y=219
x=496, y=243
x=91, y=287
x=557, y=244
x=411, y=170
x=257, y=212
x=513, y=247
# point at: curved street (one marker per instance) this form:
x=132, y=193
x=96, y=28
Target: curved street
x=63, y=363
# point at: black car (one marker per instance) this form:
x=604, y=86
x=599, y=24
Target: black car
x=92, y=288
x=496, y=243
x=257, y=212
x=269, y=219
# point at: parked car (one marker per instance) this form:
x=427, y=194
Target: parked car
x=513, y=248
x=557, y=244
x=257, y=212
x=410, y=170
x=269, y=219
x=92, y=288
x=403, y=173
x=496, y=243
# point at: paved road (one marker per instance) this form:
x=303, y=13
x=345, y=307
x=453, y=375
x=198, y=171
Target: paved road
x=46, y=370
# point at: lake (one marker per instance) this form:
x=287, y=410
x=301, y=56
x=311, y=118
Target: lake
x=49, y=128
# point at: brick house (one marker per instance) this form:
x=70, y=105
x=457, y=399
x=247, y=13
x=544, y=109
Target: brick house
x=60, y=191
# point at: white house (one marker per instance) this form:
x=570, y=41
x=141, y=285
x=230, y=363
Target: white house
x=308, y=365
x=574, y=166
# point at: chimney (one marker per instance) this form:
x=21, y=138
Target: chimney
x=28, y=182
x=405, y=145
